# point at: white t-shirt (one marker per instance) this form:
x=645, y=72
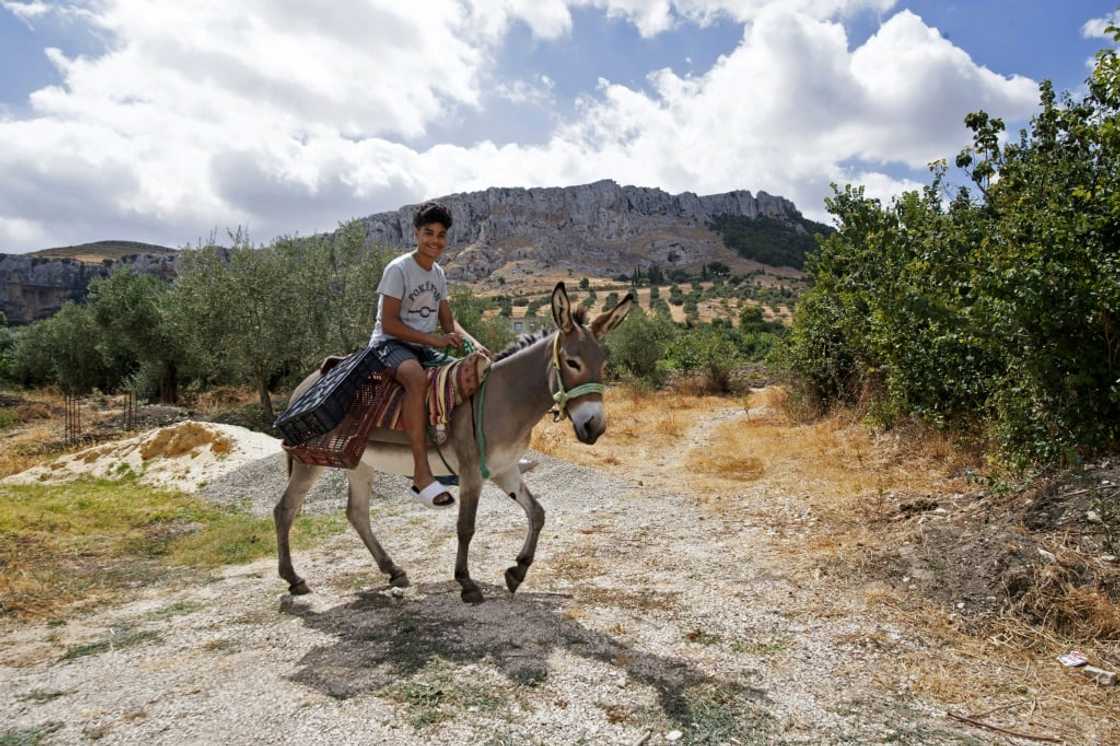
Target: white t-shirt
x=419, y=290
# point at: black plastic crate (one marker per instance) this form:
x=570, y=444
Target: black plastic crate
x=325, y=404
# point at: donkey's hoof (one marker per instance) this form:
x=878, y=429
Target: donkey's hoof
x=299, y=589
x=514, y=576
x=471, y=596
x=400, y=580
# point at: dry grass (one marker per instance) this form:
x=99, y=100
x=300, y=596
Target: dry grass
x=1067, y=598
x=223, y=398
x=642, y=427
x=1004, y=674
x=26, y=448
x=724, y=444
x=38, y=430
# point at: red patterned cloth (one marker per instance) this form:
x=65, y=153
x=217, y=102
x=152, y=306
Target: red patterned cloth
x=448, y=386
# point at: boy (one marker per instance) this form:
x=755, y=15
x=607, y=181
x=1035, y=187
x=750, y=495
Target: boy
x=413, y=316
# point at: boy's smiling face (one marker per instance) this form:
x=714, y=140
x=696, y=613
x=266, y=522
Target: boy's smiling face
x=431, y=240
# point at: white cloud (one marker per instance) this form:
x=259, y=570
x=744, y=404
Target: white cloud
x=656, y=16
x=27, y=12
x=288, y=116
x=550, y=19
x=1095, y=28
x=538, y=92
x=18, y=229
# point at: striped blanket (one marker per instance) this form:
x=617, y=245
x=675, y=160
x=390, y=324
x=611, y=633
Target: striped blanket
x=448, y=386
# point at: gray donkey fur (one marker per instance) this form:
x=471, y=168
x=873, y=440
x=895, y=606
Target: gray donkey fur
x=518, y=393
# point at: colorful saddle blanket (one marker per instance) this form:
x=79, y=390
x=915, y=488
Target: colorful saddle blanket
x=448, y=386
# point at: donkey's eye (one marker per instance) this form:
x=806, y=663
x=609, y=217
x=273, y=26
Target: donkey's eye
x=573, y=364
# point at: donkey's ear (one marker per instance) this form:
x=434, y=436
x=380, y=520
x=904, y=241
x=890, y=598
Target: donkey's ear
x=562, y=309
x=608, y=320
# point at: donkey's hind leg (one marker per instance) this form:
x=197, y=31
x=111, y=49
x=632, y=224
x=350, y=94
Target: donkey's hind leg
x=300, y=479
x=357, y=512
x=511, y=483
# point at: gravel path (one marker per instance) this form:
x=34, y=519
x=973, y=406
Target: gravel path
x=645, y=616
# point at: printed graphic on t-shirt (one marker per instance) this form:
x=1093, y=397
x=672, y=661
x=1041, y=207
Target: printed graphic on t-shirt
x=423, y=300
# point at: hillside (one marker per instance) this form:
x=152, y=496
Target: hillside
x=504, y=240
x=98, y=251
x=513, y=236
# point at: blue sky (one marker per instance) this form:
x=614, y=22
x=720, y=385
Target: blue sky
x=159, y=121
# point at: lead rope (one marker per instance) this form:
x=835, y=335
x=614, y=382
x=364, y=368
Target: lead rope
x=479, y=434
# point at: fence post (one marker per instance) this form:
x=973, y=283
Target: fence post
x=128, y=416
x=73, y=419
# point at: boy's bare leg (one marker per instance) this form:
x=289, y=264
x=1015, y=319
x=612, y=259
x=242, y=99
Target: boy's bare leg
x=415, y=382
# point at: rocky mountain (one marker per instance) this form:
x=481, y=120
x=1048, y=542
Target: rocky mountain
x=599, y=228
x=593, y=229
x=98, y=251
x=34, y=287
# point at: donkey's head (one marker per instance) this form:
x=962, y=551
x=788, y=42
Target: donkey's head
x=578, y=358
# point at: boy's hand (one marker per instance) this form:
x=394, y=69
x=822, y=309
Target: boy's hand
x=451, y=339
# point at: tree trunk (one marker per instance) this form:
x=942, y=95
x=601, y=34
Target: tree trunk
x=266, y=399
x=169, y=385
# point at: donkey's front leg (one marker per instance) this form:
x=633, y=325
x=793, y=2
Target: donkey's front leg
x=470, y=488
x=511, y=483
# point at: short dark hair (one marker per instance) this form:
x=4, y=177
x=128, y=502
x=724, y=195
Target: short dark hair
x=432, y=212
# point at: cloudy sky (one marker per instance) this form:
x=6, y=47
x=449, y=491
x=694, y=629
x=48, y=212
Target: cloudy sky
x=164, y=120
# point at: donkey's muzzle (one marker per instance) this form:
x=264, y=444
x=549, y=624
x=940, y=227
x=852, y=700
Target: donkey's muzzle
x=588, y=429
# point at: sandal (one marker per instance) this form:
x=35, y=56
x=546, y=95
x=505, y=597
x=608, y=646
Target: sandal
x=429, y=494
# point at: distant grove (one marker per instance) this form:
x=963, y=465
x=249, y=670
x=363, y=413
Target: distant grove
x=265, y=315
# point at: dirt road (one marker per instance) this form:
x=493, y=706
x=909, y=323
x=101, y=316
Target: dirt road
x=645, y=614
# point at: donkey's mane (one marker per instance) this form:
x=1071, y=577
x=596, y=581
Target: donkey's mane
x=579, y=316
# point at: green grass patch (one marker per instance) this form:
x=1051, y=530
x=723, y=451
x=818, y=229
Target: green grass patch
x=119, y=640
x=29, y=736
x=703, y=637
x=40, y=696
x=65, y=543
x=718, y=714
x=179, y=608
x=438, y=693
x=8, y=418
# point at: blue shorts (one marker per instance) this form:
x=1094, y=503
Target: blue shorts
x=393, y=352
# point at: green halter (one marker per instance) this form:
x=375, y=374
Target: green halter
x=562, y=397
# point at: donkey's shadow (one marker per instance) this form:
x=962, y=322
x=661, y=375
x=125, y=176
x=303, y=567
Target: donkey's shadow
x=382, y=640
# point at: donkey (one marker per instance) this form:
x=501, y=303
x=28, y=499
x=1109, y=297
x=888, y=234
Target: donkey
x=486, y=438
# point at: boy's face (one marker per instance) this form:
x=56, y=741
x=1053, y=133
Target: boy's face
x=431, y=240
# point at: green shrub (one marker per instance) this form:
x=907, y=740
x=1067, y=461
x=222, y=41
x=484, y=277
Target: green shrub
x=709, y=351
x=997, y=310
x=637, y=348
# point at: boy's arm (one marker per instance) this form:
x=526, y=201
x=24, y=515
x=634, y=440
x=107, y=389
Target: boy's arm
x=394, y=327
x=448, y=323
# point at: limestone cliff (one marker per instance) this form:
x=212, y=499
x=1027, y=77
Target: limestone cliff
x=592, y=228
x=34, y=287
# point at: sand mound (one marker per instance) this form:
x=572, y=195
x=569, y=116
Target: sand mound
x=184, y=456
